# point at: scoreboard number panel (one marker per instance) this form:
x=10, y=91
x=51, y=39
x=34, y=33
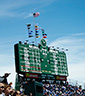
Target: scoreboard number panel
x=36, y=59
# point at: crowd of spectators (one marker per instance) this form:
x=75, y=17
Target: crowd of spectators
x=58, y=89
x=62, y=90
x=6, y=89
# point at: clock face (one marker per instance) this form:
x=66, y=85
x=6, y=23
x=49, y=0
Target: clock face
x=43, y=42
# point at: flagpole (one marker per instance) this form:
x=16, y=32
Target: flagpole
x=34, y=38
x=34, y=29
x=27, y=32
x=28, y=27
x=28, y=35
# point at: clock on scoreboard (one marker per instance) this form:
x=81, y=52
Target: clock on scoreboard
x=40, y=59
x=43, y=43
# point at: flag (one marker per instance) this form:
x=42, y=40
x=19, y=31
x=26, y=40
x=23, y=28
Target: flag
x=30, y=31
x=36, y=14
x=36, y=26
x=36, y=31
x=37, y=36
x=43, y=33
x=42, y=29
x=30, y=35
x=28, y=26
x=44, y=36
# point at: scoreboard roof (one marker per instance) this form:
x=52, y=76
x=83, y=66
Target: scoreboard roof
x=40, y=59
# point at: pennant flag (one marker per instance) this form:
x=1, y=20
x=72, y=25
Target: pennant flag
x=36, y=14
x=42, y=30
x=44, y=36
x=30, y=35
x=36, y=31
x=37, y=36
x=43, y=33
x=36, y=26
x=28, y=26
x=30, y=32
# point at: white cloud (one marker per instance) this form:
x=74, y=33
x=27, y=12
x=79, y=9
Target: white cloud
x=29, y=15
x=77, y=71
x=79, y=34
x=10, y=8
x=21, y=8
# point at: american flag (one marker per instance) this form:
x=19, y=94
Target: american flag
x=36, y=14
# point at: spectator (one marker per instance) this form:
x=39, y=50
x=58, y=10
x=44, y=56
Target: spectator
x=1, y=89
x=17, y=93
x=5, y=78
x=12, y=92
x=30, y=94
x=7, y=90
x=62, y=90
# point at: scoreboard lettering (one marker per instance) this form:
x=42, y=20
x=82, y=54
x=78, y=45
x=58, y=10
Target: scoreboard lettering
x=40, y=59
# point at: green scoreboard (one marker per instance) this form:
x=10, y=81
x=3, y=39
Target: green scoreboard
x=40, y=59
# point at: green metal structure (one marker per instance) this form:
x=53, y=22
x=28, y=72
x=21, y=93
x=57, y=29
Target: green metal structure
x=40, y=59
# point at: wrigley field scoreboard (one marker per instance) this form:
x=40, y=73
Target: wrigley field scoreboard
x=40, y=59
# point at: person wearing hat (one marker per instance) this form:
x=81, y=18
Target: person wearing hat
x=5, y=78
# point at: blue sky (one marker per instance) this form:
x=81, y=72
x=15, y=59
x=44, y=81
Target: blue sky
x=62, y=20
